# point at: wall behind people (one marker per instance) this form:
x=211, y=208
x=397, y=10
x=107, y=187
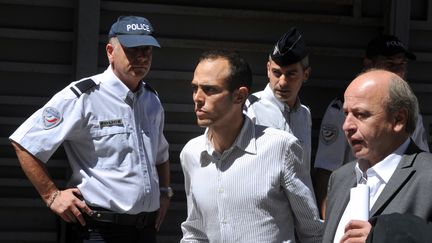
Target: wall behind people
x=45, y=43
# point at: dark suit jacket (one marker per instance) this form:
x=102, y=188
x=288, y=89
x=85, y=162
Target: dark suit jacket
x=409, y=190
x=399, y=228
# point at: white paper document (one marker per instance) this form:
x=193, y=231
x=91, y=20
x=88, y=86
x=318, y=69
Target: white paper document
x=359, y=202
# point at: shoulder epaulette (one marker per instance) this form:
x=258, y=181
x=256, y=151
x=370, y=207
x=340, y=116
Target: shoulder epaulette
x=82, y=86
x=147, y=86
x=337, y=103
x=252, y=99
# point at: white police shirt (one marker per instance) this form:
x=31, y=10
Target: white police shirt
x=265, y=109
x=333, y=148
x=113, y=139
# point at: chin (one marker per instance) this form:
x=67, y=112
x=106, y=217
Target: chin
x=282, y=99
x=139, y=74
x=203, y=123
x=361, y=155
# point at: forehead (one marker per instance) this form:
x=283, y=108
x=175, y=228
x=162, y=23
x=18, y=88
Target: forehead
x=365, y=93
x=211, y=71
x=357, y=102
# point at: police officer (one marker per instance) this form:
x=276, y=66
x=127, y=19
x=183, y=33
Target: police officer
x=385, y=52
x=111, y=128
x=278, y=105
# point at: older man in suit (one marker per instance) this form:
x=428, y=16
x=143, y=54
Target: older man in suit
x=381, y=112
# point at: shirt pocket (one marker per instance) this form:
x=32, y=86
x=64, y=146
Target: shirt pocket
x=112, y=144
x=149, y=137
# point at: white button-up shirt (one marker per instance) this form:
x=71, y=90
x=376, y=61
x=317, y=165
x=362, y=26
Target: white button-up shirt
x=256, y=191
x=267, y=110
x=113, y=139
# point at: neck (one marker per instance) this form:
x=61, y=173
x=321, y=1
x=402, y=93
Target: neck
x=131, y=82
x=223, y=137
x=133, y=86
x=364, y=165
x=397, y=142
x=291, y=103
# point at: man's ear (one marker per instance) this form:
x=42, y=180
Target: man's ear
x=240, y=95
x=400, y=120
x=307, y=73
x=109, y=50
x=268, y=69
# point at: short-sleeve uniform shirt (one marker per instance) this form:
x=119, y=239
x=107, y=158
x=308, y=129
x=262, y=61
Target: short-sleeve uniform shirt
x=113, y=139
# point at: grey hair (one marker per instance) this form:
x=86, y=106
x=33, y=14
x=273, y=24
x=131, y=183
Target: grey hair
x=304, y=63
x=400, y=97
x=113, y=41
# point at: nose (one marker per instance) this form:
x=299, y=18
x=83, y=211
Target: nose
x=197, y=96
x=283, y=80
x=349, y=124
x=142, y=55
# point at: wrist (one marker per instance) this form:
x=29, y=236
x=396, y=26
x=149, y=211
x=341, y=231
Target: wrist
x=166, y=191
x=52, y=198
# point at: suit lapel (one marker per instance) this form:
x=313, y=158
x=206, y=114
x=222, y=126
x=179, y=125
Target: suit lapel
x=344, y=197
x=397, y=180
x=341, y=200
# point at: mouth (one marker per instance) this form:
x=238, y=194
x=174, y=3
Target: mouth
x=199, y=112
x=356, y=142
x=139, y=67
x=284, y=91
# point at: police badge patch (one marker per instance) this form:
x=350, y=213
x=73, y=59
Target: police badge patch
x=51, y=117
x=329, y=133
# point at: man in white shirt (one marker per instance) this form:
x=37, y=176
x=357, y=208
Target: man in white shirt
x=244, y=182
x=381, y=112
x=278, y=105
x=111, y=127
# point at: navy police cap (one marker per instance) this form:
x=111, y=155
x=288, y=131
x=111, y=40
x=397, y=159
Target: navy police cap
x=387, y=45
x=133, y=31
x=289, y=49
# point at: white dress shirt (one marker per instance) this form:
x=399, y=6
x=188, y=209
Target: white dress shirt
x=267, y=110
x=113, y=139
x=256, y=191
x=376, y=177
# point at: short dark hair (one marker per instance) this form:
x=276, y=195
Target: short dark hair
x=240, y=72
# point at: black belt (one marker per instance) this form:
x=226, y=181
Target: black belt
x=140, y=220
